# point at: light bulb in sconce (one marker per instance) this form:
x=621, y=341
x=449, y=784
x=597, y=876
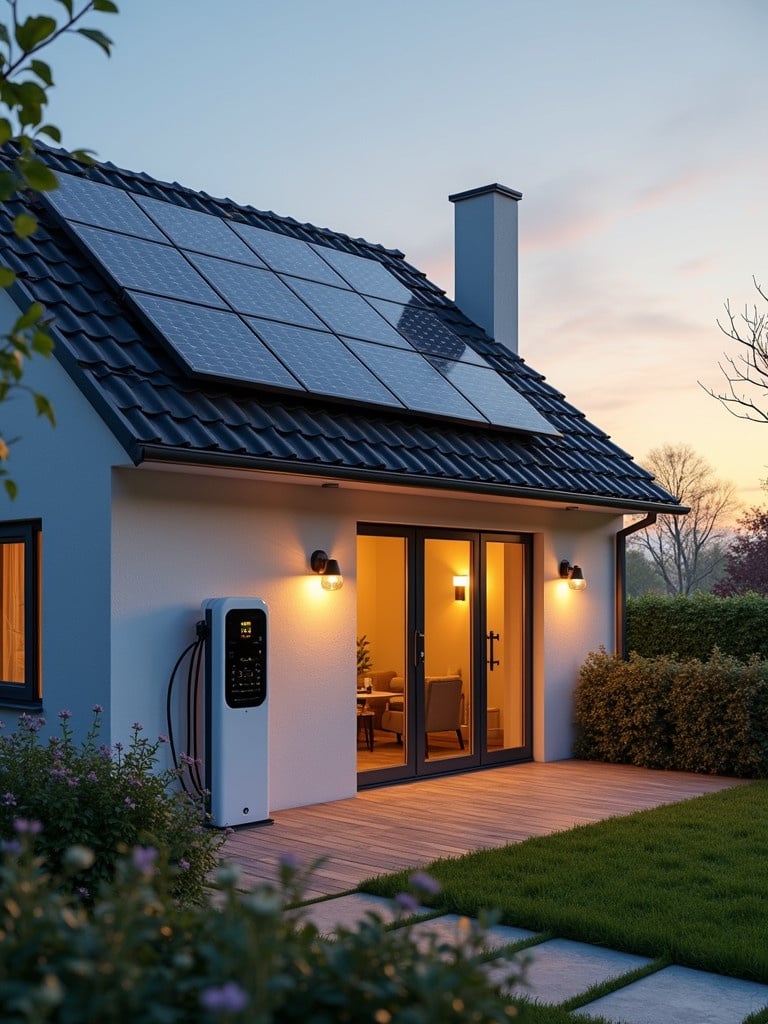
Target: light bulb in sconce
x=574, y=575
x=460, y=584
x=328, y=570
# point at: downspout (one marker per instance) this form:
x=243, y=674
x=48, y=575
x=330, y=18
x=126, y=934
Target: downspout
x=621, y=580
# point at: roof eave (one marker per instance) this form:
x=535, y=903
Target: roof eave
x=169, y=454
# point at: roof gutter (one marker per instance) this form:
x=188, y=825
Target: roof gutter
x=621, y=578
x=166, y=453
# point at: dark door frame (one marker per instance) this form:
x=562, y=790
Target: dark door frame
x=417, y=765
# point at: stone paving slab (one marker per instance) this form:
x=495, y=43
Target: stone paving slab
x=560, y=969
x=454, y=928
x=679, y=995
x=348, y=911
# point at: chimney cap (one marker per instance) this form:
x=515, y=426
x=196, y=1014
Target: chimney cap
x=503, y=190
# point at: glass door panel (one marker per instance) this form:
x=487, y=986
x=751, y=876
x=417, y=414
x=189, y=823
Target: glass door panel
x=448, y=697
x=382, y=630
x=506, y=655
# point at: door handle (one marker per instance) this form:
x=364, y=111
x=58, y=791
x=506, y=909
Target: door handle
x=418, y=649
x=492, y=662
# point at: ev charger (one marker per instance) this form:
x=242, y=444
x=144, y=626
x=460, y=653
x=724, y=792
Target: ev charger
x=236, y=711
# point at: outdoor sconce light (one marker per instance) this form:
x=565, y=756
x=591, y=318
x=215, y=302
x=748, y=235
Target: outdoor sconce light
x=573, y=574
x=460, y=584
x=328, y=570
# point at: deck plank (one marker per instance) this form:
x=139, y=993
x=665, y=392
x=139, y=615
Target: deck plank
x=397, y=827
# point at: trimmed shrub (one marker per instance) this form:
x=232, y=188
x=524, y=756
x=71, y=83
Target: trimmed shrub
x=701, y=716
x=138, y=956
x=691, y=627
x=103, y=798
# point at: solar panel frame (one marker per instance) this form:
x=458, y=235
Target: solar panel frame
x=347, y=313
x=255, y=291
x=199, y=232
x=288, y=255
x=365, y=275
x=415, y=382
x=139, y=264
x=426, y=332
x=323, y=363
x=101, y=206
x=198, y=336
x=496, y=399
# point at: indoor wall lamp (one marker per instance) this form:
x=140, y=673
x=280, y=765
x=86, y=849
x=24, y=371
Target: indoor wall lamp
x=460, y=584
x=573, y=574
x=328, y=570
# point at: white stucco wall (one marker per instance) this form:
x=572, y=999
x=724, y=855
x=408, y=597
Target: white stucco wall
x=64, y=478
x=178, y=538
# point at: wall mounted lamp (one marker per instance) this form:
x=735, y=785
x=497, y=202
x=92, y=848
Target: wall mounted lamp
x=573, y=574
x=328, y=570
x=460, y=584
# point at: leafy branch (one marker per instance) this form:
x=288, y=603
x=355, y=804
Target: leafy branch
x=25, y=81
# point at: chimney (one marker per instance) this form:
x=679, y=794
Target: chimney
x=486, y=259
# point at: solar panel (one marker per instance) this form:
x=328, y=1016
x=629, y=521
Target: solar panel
x=243, y=304
x=147, y=266
x=426, y=332
x=348, y=313
x=419, y=386
x=323, y=364
x=102, y=206
x=364, y=275
x=214, y=343
x=200, y=232
x=490, y=393
x=256, y=292
x=288, y=255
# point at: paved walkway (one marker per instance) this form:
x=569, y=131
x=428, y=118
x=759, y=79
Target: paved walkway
x=559, y=970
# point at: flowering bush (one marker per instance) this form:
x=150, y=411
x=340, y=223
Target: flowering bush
x=105, y=799
x=137, y=955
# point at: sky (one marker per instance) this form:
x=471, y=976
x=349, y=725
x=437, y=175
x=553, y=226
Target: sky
x=635, y=129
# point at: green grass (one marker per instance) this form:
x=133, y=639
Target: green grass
x=688, y=882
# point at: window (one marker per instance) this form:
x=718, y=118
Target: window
x=20, y=678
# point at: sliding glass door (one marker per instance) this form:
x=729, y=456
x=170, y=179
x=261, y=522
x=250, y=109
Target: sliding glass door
x=443, y=651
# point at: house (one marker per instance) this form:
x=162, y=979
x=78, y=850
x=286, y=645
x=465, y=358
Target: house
x=239, y=395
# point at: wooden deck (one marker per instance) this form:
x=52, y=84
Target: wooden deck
x=394, y=827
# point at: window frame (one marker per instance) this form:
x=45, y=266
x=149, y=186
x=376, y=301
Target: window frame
x=29, y=693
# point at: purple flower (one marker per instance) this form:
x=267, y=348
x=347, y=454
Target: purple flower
x=65, y=714
x=229, y=998
x=23, y=827
x=162, y=738
x=406, y=901
x=144, y=858
x=92, y=777
x=73, y=781
x=130, y=804
x=58, y=773
x=184, y=864
x=137, y=727
x=290, y=861
x=83, y=892
x=97, y=709
x=426, y=883
x=8, y=800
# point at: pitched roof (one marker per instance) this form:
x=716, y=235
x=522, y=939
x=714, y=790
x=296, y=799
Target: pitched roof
x=160, y=412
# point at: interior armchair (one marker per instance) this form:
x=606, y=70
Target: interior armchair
x=444, y=709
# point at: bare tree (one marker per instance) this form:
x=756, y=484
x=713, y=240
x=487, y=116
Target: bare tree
x=683, y=548
x=747, y=372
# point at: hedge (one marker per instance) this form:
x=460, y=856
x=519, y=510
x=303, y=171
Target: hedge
x=691, y=627
x=693, y=715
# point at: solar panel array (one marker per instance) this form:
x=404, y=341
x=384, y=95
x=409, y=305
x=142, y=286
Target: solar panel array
x=242, y=304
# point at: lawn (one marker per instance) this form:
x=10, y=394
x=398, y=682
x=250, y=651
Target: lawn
x=686, y=882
